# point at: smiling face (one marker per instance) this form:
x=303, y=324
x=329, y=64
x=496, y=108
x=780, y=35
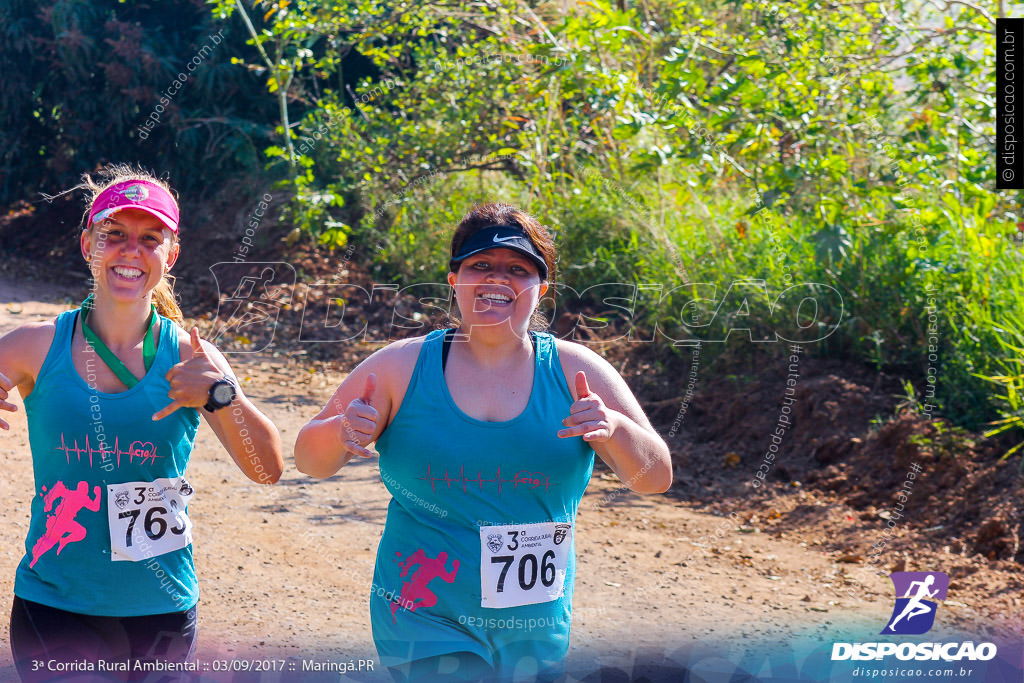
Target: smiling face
x=497, y=287
x=128, y=253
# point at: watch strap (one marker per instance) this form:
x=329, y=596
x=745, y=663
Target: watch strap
x=211, y=404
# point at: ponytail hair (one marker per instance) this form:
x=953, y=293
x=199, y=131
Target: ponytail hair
x=163, y=296
x=165, y=300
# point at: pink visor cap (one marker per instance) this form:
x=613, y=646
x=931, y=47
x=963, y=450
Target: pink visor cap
x=136, y=194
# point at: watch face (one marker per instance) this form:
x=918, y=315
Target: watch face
x=223, y=393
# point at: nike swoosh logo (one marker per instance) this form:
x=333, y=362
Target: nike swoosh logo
x=505, y=239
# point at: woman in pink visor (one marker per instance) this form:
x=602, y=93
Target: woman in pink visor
x=113, y=392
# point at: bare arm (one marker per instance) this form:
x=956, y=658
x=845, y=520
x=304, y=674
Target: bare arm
x=358, y=412
x=252, y=440
x=608, y=416
x=22, y=352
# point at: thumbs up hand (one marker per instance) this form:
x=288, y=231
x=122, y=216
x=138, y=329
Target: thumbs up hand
x=588, y=417
x=191, y=380
x=359, y=421
x=6, y=385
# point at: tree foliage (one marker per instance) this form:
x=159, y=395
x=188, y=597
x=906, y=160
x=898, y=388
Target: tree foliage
x=80, y=80
x=696, y=142
x=708, y=141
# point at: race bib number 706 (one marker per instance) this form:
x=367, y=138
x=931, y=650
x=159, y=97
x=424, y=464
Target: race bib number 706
x=147, y=518
x=523, y=564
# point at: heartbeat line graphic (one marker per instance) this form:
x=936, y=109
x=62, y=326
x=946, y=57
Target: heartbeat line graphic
x=137, y=449
x=529, y=480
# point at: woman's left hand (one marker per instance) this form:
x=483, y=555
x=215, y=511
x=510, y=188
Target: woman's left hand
x=191, y=380
x=588, y=416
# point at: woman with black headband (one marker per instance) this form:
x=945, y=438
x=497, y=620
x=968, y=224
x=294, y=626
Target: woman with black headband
x=486, y=435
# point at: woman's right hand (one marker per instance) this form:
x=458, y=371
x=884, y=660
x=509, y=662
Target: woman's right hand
x=358, y=423
x=358, y=412
x=6, y=385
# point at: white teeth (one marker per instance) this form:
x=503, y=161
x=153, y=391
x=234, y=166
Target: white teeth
x=500, y=298
x=128, y=273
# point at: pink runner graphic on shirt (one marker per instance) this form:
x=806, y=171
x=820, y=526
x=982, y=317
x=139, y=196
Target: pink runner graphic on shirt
x=415, y=593
x=61, y=527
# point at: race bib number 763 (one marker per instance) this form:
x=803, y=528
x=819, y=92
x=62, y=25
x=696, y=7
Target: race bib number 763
x=523, y=564
x=147, y=518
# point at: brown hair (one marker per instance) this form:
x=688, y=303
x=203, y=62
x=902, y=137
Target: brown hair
x=496, y=213
x=163, y=294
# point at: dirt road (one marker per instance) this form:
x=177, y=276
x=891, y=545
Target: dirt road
x=285, y=570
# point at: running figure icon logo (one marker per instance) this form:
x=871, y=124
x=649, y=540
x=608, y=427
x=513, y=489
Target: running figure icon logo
x=61, y=527
x=917, y=596
x=415, y=593
x=250, y=303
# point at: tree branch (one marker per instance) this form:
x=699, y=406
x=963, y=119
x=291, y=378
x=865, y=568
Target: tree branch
x=282, y=94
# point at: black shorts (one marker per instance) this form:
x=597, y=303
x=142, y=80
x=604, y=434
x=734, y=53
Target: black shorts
x=50, y=644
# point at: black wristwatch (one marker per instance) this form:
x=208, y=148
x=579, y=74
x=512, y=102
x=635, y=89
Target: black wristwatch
x=222, y=393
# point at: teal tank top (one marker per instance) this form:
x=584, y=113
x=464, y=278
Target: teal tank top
x=478, y=551
x=109, y=533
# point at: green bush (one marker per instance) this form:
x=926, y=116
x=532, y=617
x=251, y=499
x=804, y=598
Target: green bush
x=81, y=79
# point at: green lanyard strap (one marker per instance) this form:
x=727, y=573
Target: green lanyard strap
x=108, y=356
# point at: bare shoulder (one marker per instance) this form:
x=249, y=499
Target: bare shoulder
x=33, y=333
x=31, y=340
x=575, y=357
x=601, y=377
x=394, y=364
x=402, y=347
x=23, y=350
x=186, y=353
x=185, y=341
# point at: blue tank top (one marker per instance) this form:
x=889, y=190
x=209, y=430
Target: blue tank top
x=109, y=533
x=469, y=495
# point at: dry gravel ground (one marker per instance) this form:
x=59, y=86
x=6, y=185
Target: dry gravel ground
x=285, y=570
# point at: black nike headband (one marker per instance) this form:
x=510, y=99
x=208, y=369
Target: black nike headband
x=502, y=236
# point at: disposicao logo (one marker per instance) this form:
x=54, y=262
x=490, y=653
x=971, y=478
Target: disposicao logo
x=917, y=594
x=917, y=598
